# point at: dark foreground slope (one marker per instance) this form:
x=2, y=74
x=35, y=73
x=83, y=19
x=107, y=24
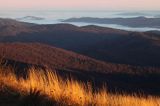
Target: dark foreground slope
x=105, y=44
x=119, y=78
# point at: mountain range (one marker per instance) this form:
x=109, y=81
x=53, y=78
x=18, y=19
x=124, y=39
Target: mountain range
x=134, y=48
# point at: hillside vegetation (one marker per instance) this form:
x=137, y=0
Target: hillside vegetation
x=52, y=57
x=46, y=88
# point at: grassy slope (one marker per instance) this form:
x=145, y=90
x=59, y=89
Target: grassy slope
x=48, y=89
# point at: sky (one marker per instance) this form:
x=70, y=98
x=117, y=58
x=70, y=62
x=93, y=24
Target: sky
x=81, y=4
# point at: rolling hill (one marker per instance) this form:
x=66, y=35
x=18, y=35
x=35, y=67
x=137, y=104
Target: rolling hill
x=51, y=57
x=56, y=58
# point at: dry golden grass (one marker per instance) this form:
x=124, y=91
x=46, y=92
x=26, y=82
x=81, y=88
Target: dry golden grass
x=68, y=92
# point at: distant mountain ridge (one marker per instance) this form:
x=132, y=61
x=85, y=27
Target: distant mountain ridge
x=13, y=27
x=131, y=22
x=30, y=18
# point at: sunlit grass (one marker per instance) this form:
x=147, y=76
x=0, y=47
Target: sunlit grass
x=69, y=91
